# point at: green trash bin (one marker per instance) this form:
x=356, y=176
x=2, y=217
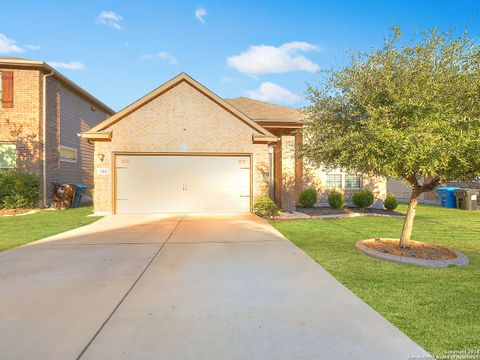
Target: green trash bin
x=466, y=199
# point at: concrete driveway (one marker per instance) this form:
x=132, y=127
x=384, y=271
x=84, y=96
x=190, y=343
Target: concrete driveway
x=182, y=287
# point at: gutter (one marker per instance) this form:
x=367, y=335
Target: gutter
x=44, y=130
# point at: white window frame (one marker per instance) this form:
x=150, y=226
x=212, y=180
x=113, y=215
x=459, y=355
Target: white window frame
x=70, y=149
x=10, y=143
x=343, y=174
x=334, y=172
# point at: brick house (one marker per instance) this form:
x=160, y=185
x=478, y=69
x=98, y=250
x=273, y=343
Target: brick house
x=182, y=148
x=41, y=114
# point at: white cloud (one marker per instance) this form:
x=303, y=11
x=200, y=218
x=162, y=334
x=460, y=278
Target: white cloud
x=263, y=59
x=200, y=13
x=73, y=65
x=162, y=55
x=269, y=91
x=34, y=47
x=8, y=46
x=109, y=18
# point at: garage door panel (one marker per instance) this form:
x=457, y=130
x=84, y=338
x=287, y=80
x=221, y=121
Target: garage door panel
x=149, y=184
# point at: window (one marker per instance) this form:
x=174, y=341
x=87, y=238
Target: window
x=352, y=181
x=334, y=181
x=8, y=155
x=337, y=179
x=68, y=154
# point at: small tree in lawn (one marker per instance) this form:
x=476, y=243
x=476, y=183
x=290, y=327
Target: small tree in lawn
x=409, y=110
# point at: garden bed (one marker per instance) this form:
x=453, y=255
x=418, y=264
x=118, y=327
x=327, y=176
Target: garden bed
x=417, y=250
x=418, y=253
x=320, y=211
x=16, y=212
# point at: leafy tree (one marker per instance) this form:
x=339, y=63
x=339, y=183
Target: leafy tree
x=409, y=110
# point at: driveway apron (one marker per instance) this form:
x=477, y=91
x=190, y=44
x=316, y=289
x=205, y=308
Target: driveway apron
x=182, y=287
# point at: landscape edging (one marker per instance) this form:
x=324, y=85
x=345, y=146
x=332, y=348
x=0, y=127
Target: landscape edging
x=460, y=260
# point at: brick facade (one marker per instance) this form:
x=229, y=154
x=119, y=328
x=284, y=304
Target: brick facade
x=67, y=114
x=180, y=120
x=21, y=123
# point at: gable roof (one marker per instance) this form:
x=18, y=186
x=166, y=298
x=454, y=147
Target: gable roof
x=264, y=111
x=182, y=77
x=11, y=61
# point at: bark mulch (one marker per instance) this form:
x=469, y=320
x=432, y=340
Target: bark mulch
x=416, y=250
x=318, y=211
x=14, y=212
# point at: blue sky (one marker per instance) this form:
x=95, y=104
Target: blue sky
x=120, y=50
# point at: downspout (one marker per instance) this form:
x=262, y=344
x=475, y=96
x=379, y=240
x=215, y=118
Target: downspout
x=44, y=129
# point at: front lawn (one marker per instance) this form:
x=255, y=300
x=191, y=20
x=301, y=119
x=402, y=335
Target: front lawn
x=19, y=230
x=437, y=308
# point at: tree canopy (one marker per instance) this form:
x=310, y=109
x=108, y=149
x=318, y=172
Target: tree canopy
x=410, y=110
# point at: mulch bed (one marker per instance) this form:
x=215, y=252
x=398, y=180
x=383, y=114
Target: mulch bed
x=416, y=250
x=14, y=212
x=318, y=211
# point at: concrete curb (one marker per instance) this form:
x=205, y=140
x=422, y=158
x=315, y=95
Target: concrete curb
x=460, y=260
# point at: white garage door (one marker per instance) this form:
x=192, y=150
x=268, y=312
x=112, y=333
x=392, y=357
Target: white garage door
x=163, y=184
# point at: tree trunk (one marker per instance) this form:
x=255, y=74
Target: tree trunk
x=408, y=223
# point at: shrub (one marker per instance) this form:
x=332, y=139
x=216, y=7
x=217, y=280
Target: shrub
x=362, y=199
x=390, y=202
x=335, y=200
x=265, y=207
x=18, y=189
x=308, y=198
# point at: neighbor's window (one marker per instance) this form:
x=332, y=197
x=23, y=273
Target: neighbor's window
x=334, y=181
x=6, y=89
x=352, y=181
x=8, y=155
x=68, y=154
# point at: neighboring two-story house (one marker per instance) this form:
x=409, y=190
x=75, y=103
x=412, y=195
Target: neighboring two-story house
x=41, y=114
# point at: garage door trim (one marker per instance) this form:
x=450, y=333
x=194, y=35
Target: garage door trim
x=129, y=153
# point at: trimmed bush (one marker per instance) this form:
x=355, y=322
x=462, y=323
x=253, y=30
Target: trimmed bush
x=18, y=189
x=390, y=202
x=362, y=198
x=308, y=198
x=335, y=200
x=265, y=207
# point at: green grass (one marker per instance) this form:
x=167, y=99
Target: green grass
x=19, y=230
x=439, y=308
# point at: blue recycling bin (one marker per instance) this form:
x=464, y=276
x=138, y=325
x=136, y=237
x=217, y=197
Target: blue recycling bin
x=77, y=199
x=447, y=196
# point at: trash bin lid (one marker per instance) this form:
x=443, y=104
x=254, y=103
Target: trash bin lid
x=447, y=188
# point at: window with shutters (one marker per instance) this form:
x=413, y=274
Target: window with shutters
x=7, y=89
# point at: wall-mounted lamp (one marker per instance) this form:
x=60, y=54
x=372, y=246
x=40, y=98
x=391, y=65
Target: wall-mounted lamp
x=101, y=157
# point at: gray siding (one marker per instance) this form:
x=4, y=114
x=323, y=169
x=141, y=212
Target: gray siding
x=70, y=115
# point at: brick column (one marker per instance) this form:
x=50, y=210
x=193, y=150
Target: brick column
x=289, y=191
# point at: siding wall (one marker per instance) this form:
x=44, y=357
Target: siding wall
x=180, y=120
x=68, y=115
